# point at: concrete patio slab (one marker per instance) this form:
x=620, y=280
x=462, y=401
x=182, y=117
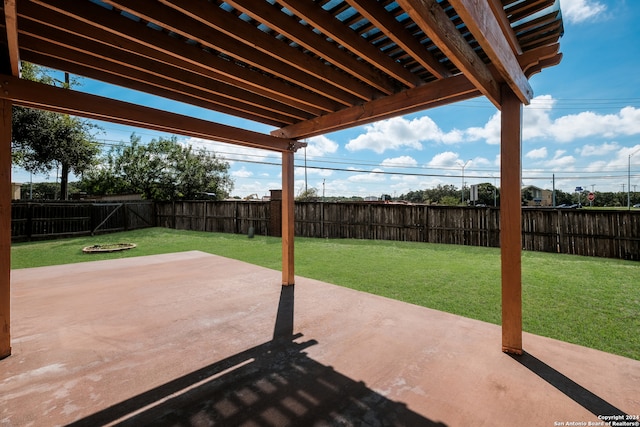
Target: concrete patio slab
x=196, y=339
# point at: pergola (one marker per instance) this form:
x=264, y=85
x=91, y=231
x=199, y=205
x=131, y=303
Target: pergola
x=304, y=67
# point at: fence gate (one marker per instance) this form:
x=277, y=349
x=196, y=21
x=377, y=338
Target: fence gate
x=47, y=220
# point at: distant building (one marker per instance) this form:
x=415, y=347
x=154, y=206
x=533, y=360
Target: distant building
x=535, y=196
x=15, y=191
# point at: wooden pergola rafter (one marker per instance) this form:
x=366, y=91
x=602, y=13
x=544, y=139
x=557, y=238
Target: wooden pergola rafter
x=302, y=67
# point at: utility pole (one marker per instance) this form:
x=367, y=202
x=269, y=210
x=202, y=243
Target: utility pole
x=462, y=165
x=553, y=191
x=306, y=188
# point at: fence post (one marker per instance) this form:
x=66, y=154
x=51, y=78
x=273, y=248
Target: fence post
x=125, y=216
x=29, y=227
x=559, y=234
x=275, y=213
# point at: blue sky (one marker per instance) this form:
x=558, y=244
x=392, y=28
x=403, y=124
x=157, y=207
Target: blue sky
x=583, y=125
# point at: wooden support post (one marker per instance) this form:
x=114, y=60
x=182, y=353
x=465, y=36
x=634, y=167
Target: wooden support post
x=5, y=228
x=511, y=221
x=288, y=210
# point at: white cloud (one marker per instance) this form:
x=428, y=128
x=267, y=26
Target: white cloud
x=446, y=159
x=537, y=123
x=596, y=166
x=490, y=132
x=398, y=133
x=481, y=162
x=560, y=161
x=320, y=145
x=242, y=173
x=300, y=171
x=598, y=150
x=231, y=152
x=367, y=177
x=402, y=161
x=536, y=118
x=577, y=11
x=539, y=153
x=586, y=124
x=620, y=161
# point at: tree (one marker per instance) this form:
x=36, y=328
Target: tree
x=43, y=190
x=42, y=141
x=527, y=196
x=309, y=195
x=449, y=201
x=488, y=194
x=442, y=194
x=160, y=170
x=413, y=196
x=563, y=198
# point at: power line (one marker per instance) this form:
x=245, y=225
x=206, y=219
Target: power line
x=549, y=172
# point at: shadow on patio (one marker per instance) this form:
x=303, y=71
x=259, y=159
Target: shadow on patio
x=273, y=384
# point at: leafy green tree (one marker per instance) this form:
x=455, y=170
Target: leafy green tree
x=160, y=170
x=608, y=199
x=563, y=198
x=44, y=190
x=450, y=201
x=439, y=193
x=309, y=195
x=413, y=196
x=42, y=141
x=488, y=194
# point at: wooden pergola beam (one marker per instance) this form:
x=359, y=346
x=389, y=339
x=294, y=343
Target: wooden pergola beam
x=434, y=22
x=11, y=24
x=498, y=10
x=45, y=97
x=316, y=43
x=378, y=16
x=330, y=27
x=120, y=80
x=304, y=74
x=481, y=20
x=539, y=58
x=157, y=78
x=152, y=44
x=436, y=93
x=253, y=37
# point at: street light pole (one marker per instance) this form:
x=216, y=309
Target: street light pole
x=462, y=165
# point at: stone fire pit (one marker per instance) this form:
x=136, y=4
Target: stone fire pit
x=108, y=247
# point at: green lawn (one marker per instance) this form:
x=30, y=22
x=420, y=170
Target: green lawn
x=593, y=302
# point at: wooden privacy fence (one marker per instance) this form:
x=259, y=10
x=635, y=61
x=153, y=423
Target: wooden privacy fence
x=610, y=234
x=224, y=217
x=48, y=220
